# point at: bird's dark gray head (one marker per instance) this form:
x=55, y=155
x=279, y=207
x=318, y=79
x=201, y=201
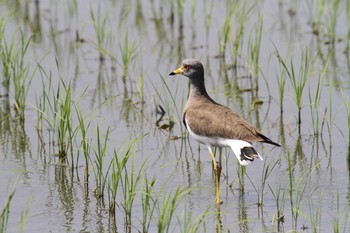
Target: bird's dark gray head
x=191, y=68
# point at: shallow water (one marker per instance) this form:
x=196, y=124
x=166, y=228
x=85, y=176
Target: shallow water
x=51, y=196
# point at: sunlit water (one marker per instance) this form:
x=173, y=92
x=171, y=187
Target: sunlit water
x=161, y=36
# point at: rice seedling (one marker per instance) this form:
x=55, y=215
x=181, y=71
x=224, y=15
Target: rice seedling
x=148, y=203
x=331, y=20
x=118, y=173
x=280, y=199
x=293, y=206
x=171, y=107
x=55, y=108
x=24, y=216
x=265, y=174
x=254, y=43
x=193, y=224
x=330, y=120
x=315, y=101
x=5, y=213
x=8, y=55
x=315, y=214
x=140, y=86
x=347, y=112
x=129, y=185
x=242, y=16
x=41, y=102
x=167, y=208
x=208, y=17
x=281, y=88
x=341, y=217
x=347, y=39
x=128, y=54
x=63, y=115
x=298, y=82
x=241, y=170
x=102, y=36
x=225, y=33
x=298, y=188
x=85, y=145
x=99, y=170
x=21, y=81
x=118, y=165
x=281, y=80
x=15, y=69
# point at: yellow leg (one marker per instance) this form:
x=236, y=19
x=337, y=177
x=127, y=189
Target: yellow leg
x=217, y=168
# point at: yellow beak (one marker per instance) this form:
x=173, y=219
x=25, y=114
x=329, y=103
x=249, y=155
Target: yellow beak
x=177, y=71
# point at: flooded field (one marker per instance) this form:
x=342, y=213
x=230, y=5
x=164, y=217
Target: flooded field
x=91, y=132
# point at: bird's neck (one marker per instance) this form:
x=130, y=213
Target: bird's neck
x=198, y=90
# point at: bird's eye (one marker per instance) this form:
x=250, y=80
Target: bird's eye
x=186, y=67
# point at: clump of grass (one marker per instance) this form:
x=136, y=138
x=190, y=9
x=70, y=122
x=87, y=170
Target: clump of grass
x=298, y=82
x=192, y=223
x=267, y=169
x=128, y=52
x=118, y=165
x=148, y=203
x=102, y=36
x=280, y=199
x=100, y=171
x=118, y=171
x=167, y=208
x=129, y=185
x=242, y=15
x=225, y=33
x=315, y=214
x=341, y=215
x=298, y=188
x=315, y=101
x=254, y=43
x=63, y=115
x=55, y=108
x=332, y=18
x=85, y=144
x=15, y=70
x=21, y=79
